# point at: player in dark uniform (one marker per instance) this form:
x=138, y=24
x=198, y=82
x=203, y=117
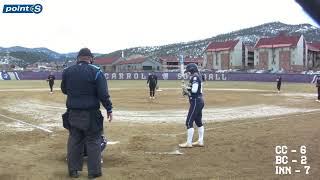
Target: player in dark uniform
x=279, y=79
x=196, y=105
x=51, y=79
x=203, y=77
x=316, y=79
x=318, y=86
x=152, y=81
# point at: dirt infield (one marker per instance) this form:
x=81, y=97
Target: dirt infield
x=243, y=127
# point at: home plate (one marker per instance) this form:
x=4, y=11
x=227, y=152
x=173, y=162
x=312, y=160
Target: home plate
x=176, y=152
x=113, y=142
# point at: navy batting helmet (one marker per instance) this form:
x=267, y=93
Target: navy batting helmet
x=192, y=68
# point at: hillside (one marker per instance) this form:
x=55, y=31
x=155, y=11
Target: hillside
x=249, y=36
x=23, y=56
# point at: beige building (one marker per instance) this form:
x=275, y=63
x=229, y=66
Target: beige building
x=138, y=64
x=108, y=64
x=313, y=61
x=282, y=52
x=225, y=55
x=172, y=62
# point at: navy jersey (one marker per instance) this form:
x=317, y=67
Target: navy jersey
x=203, y=77
x=51, y=78
x=195, y=86
x=316, y=80
x=85, y=86
x=152, y=80
x=279, y=79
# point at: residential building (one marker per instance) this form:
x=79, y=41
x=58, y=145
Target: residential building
x=138, y=64
x=108, y=64
x=282, y=52
x=225, y=55
x=172, y=62
x=313, y=60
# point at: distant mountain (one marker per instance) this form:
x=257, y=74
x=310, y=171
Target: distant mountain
x=23, y=56
x=49, y=53
x=249, y=36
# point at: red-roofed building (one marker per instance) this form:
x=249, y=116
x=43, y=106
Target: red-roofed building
x=108, y=64
x=138, y=64
x=282, y=52
x=313, y=55
x=172, y=62
x=225, y=55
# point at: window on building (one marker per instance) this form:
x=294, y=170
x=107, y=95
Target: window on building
x=172, y=63
x=273, y=59
x=147, y=68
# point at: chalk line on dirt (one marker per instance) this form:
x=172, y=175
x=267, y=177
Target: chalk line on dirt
x=49, y=115
x=209, y=89
x=175, y=152
x=22, y=122
x=215, y=128
x=113, y=142
x=42, y=89
x=238, y=123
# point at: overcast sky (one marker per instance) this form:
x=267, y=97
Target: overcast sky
x=108, y=25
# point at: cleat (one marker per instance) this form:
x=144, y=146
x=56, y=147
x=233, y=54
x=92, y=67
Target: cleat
x=101, y=160
x=153, y=97
x=93, y=176
x=198, y=144
x=185, y=145
x=73, y=174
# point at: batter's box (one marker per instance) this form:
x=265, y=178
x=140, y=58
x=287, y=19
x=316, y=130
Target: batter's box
x=153, y=143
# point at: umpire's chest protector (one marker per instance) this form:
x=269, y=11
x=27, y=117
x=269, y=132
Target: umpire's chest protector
x=81, y=80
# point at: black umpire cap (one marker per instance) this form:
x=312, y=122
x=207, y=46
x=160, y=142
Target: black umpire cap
x=85, y=52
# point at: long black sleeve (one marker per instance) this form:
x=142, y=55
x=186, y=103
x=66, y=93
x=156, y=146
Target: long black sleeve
x=148, y=79
x=63, y=83
x=103, y=94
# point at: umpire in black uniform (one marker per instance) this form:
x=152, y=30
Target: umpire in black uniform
x=85, y=86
